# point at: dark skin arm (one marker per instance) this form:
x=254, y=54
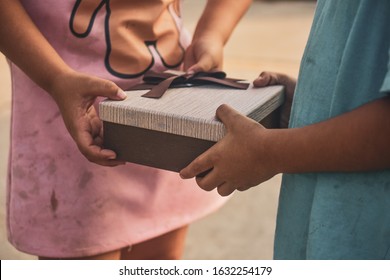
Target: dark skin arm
x=250, y=154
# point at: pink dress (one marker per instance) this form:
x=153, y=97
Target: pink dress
x=59, y=204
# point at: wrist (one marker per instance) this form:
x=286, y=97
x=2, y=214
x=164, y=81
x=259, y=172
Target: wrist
x=280, y=146
x=209, y=37
x=56, y=83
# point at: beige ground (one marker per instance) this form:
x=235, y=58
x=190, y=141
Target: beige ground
x=270, y=37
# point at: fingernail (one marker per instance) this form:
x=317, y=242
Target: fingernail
x=121, y=94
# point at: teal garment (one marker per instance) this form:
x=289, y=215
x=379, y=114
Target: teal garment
x=345, y=65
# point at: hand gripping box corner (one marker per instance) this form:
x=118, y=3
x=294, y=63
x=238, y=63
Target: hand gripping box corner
x=168, y=133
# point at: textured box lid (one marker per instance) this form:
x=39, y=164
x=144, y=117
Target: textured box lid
x=190, y=111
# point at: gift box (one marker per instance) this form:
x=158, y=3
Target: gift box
x=171, y=130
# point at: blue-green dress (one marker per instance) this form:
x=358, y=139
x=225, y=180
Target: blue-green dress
x=345, y=65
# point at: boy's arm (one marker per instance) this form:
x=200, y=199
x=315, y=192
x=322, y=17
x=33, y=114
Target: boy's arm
x=356, y=141
x=213, y=30
x=74, y=93
x=249, y=154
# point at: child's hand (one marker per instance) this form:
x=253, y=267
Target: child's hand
x=238, y=161
x=270, y=78
x=75, y=94
x=212, y=31
x=203, y=55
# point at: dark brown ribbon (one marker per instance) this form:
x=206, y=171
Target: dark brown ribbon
x=160, y=82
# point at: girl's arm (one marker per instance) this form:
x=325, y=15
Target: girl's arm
x=213, y=30
x=24, y=45
x=74, y=93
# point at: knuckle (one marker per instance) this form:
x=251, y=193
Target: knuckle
x=264, y=74
x=197, y=166
x=201, y=183
x=215, y=157
x=108, y=86
x=224, y=191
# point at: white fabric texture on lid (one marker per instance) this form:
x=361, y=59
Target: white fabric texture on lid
x=190, y=111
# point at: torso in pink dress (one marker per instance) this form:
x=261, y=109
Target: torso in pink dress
x=60, y=204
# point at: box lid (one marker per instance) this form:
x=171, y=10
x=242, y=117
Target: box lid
x=190, y=111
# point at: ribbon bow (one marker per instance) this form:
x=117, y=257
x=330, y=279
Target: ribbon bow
x=160, y=82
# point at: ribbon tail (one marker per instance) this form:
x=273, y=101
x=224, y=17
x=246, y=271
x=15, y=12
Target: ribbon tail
x=141, y=87
x=158, y=90
x=226, y=82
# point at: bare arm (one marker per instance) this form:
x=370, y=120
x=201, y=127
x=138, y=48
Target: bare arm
x=355, y=141
x=213, y=30
x=24, y=45
x=250, y=154
x=220, y=17
x=74, y=93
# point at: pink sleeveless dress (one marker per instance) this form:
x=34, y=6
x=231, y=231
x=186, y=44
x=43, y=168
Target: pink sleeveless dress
x=59, y=204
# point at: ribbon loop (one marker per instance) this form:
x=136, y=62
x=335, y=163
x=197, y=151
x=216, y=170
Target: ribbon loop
x=160, y=82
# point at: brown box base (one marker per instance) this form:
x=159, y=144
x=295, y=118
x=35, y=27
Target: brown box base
x=159, y=149
x=152, y=148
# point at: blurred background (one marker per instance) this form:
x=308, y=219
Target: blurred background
x=271, y=36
